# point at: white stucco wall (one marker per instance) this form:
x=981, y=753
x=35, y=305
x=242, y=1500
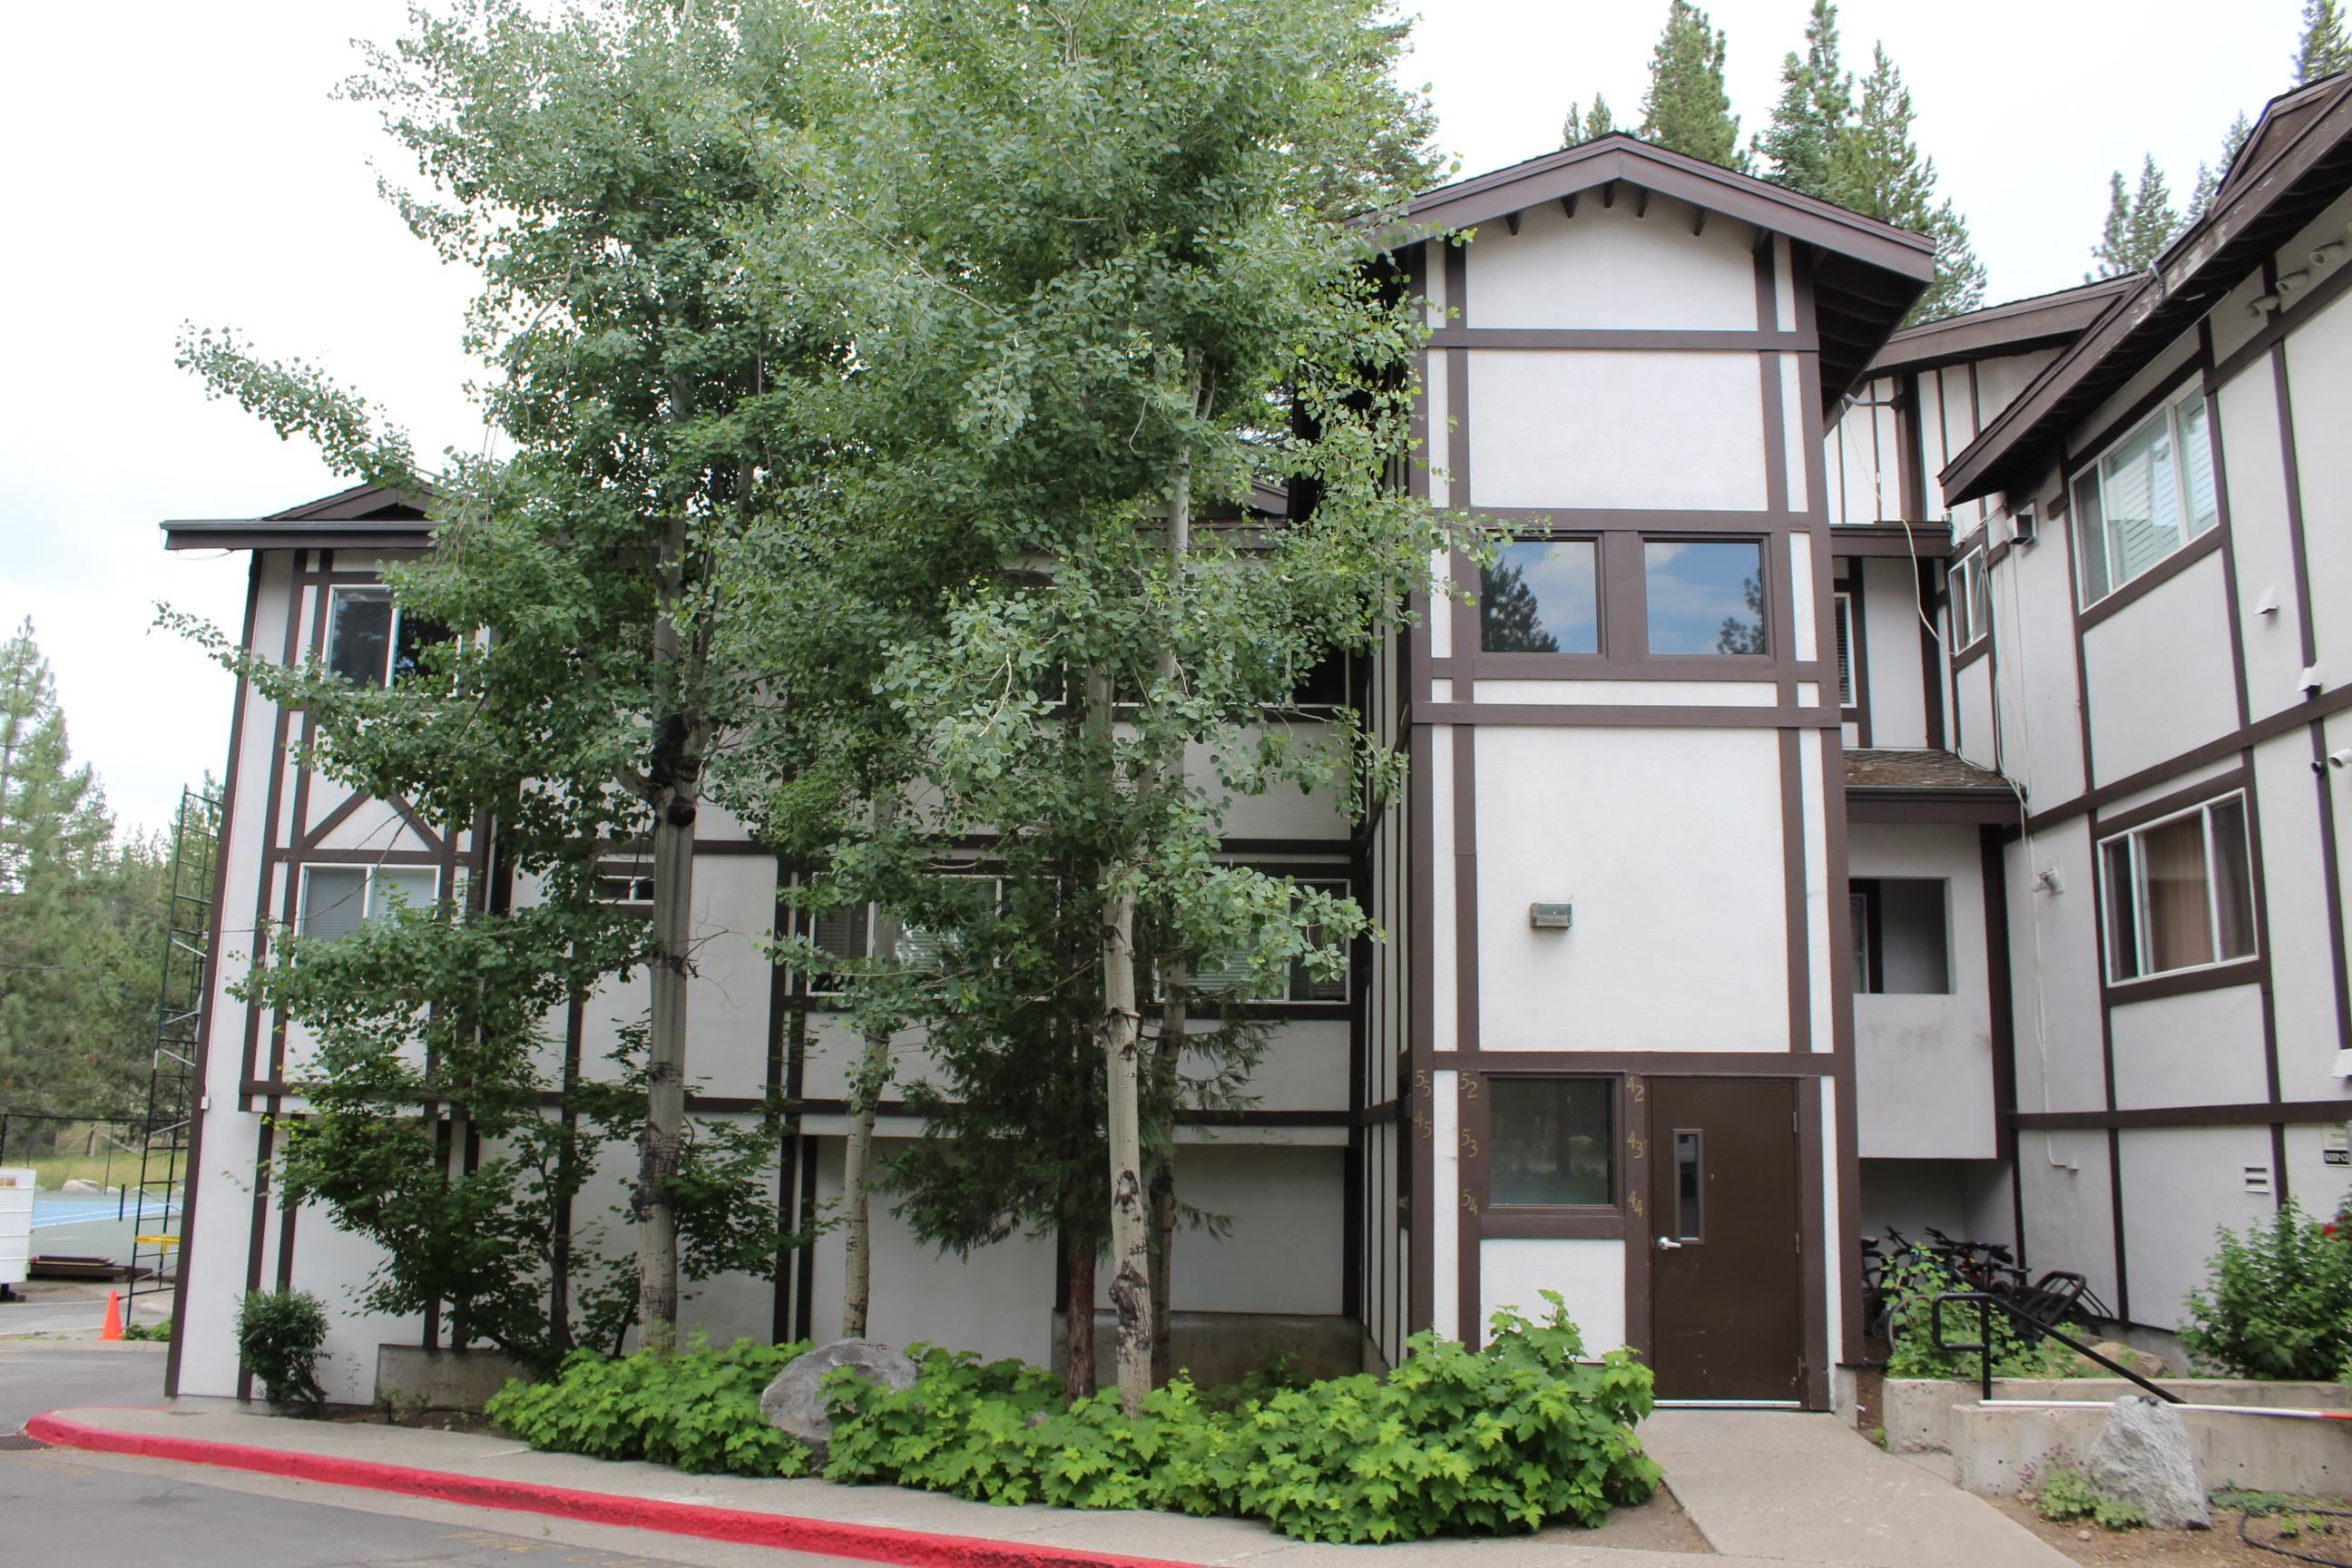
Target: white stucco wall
x=1669, y=842
x=1626, y=271
x=2159, y=674
x=1615, y=427
x=1923, y=1063
x=1590, y=1275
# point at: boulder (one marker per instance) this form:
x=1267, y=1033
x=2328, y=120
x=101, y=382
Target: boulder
x=794, y=1403
x=2142, y=1456
x=81, y=1188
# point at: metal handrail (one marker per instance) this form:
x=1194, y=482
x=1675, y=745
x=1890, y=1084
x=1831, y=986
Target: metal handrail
x=1986, y=1302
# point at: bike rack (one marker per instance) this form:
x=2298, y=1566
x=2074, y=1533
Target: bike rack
x=1982, y=1348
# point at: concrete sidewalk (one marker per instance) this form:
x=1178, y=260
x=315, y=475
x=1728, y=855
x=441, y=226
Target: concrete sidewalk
x=1765, y=1487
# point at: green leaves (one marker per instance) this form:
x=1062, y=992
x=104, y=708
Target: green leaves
x=279, y=1333
x=1500, y=1439
x=2276, y=1302
x=696, y=1410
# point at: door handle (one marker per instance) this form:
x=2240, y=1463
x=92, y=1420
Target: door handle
x=1668, y=1244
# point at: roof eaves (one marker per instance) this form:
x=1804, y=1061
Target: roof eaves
x=2178, y=277
x=2014, y=326
x=1618, y=156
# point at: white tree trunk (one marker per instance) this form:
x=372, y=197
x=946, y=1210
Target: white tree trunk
x=1130, y=1229
x=1175, y=974
x=658, y=1144
x=865, y=1096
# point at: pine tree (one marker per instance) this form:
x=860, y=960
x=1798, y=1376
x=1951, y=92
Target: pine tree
x=79, y=921
x=2154, y=222
x=2324, y=50
x=1686, y=106
x=2140, y=223
x=1510, y=619
x=1587, y=126
x=1877, y=170
x=2109, y=258
x=2210, y=178
x=1816, y=102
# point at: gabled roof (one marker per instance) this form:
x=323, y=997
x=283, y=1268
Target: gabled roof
x=2018, y=326
x=2297, y=161
x=364, y=517
x=1866, y=273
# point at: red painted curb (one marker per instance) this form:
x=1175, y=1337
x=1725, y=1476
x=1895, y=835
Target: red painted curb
x=869, y=1543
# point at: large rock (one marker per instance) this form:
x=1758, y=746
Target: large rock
x=2139, y=1361
x=2142, y=1456
x=794, y=1403
x=81, y=1187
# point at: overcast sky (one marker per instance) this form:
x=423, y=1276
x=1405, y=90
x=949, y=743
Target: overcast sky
x=169, y=161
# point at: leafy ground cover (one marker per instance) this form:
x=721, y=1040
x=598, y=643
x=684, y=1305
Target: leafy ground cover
x=1507, y=1437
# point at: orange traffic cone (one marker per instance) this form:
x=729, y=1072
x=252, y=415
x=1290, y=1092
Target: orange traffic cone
x=113, y=1328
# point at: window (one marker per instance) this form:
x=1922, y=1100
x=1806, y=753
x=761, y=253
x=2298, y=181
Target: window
x=848, y=933
x=1902, y=946
x=1690, y=1204
x=1324, y=685
x=625, y=884
x=1705, y=596
x=338, y=900
x=370, y=640
x=2147, y=495
x=1971, y=612
x=1845, y=650
x=1540, y=596
x=1555, y=1141
x=1214, y=976
x=2180, y=892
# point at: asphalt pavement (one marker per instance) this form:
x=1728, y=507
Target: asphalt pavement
x=60, y=1506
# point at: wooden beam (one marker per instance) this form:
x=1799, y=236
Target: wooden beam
x=1511, y=222
x=1567, y=204
x=1641, y=201
x=1609, y=194
x=1699, y=224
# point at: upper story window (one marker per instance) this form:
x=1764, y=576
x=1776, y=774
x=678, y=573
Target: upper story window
x=371, y=641
x=2180, y=891
x=1971, y=601
x=2146, y=497
x=1845, y=650
x=338, y=900
x=1212, y=976
x=1705, y=597
x=1540, y=596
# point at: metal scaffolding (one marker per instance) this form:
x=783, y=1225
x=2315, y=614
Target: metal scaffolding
x=159, y=1200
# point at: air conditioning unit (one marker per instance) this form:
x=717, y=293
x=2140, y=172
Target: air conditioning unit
x=2021, y=526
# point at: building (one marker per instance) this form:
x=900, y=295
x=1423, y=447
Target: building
x=1755, y=883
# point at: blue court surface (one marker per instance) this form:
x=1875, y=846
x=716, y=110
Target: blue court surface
x=50, y=1210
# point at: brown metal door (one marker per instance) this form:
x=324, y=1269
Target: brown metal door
x=1726, y=1295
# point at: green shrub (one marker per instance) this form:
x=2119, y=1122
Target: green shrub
x=279, y=1333
x=1456, y=1441
x=2064, y=1493
x=698, y=1410
x=2277, y=1301
x=153, y=1332
x=1914, y=1282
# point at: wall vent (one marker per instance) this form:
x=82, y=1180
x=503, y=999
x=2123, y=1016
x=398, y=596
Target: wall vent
x=2258, y=1179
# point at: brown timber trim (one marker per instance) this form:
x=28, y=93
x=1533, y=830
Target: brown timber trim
x=2282, y=321
x=2214, y=439
x=297, y=856
x=2155, y=577
x=1915, y=806
x=2205, y=789
x=2260, y=888
x=1888, y=539
x=1561, y=1225
x=1814, y=1262
x=1666, y=522
x=1634, y=1101
x=1847, y=1260
x=1476, y=1133
x=1420, y=1208
x=210, y=982
x=1622, y=717
x=1767, y=1062
x=1855, y=590
x=1793, y=875
x=2185, y=982
x=1762, y=669
x=2256, y=1114
x=2332, y=877
x=1931, y=661
x=1993, y=880
x=1574, y=338
x=2284, y=721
